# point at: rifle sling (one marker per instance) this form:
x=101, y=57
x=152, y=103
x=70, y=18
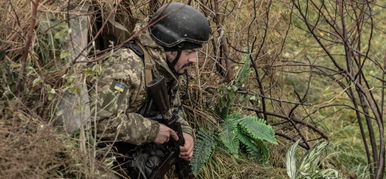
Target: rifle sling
x=142, y=52
x=148, y=65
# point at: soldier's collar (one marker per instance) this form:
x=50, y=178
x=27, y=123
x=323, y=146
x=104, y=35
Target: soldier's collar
x=156, y=52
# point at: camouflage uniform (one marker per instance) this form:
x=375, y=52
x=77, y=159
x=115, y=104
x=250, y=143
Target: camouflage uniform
x=120, y=91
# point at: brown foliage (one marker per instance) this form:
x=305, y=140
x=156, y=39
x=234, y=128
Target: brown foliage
x=30, y=148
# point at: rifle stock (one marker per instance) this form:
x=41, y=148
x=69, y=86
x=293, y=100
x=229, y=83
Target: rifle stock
x=159, y=93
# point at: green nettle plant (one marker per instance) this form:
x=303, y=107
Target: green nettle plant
x=309, y=167
x=206, y=142
x=237, y=133
x=247, y=131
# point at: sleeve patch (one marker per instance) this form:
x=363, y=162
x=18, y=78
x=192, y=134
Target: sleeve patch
x=119, y=87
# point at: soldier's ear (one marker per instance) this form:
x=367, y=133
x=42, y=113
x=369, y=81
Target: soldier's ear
x=171, y=55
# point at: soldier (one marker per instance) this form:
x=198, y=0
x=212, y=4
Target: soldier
x=124, y=118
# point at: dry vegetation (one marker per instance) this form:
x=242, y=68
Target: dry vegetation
x=36, y=72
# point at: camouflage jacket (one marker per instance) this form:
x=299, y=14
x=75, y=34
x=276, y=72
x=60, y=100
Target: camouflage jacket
x=119, y=92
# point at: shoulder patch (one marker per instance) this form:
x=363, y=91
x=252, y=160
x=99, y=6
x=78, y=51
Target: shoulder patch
x=119, y=87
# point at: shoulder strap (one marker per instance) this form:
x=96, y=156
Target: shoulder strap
x=142, y=52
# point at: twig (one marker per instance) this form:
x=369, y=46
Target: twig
x=274, y=99
x=288, y=118
x=16, y=15
x=253, y=60
x=20, y=80
x=292, y=139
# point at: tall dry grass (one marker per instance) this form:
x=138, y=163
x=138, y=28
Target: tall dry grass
x=34, y=77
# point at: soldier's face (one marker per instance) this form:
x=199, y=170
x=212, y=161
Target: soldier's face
x=186, y=61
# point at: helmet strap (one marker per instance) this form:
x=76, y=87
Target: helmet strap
x=174, y=62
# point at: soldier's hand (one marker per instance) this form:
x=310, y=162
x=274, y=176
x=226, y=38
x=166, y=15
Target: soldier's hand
x=164, y=135
x=186, y=151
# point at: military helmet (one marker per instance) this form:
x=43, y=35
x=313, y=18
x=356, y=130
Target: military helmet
x=179, y=27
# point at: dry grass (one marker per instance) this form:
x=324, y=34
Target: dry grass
x=32, y=146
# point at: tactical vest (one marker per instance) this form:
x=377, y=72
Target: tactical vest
x=147, y=110
x=141, y=160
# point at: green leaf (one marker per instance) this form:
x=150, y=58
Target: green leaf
x=291, y=161
x=64, y=54
x=51, y=92
x=257, y=129
x=255, y=148
x=244, y=72
x=225, y=103
x=204, y=146
x=328, y=173
x=62, y=34
x=36, y=82
x=22, y=117
x=310, y=163
x=228, y=135
x=109, y=162
x=311, y=160
x=234, y=117
x=229, y=97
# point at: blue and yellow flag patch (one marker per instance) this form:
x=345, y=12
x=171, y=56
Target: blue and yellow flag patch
x=119, y=87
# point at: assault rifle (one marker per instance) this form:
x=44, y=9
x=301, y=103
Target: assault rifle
x=159, y=93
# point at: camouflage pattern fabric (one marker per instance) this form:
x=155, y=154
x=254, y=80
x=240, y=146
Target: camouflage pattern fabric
x=119, y=92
